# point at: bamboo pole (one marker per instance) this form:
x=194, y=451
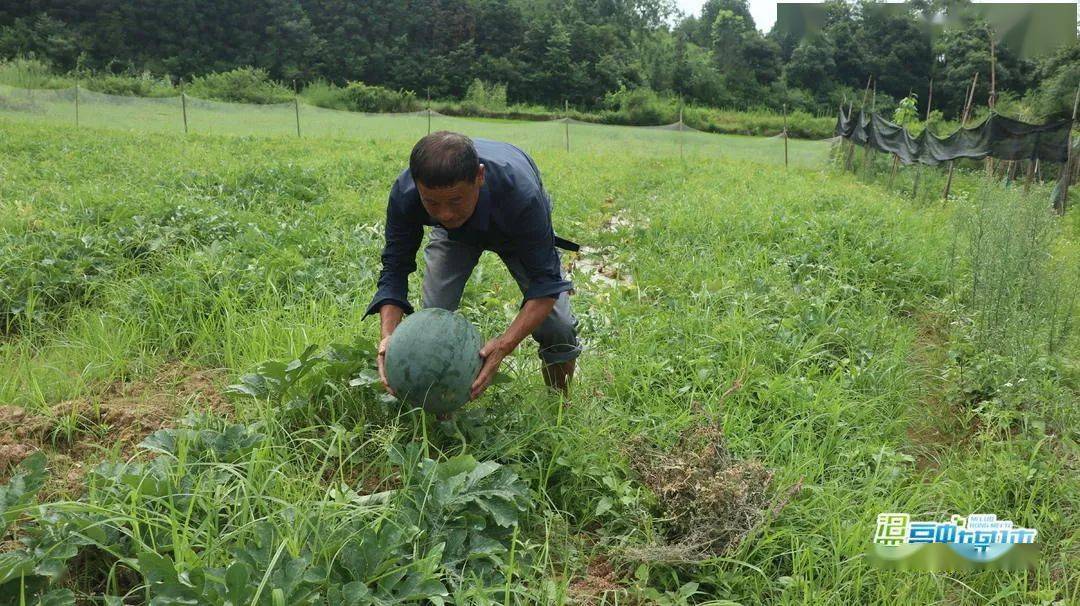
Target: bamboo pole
x=296, y=106
x=851, y=144
x=873, y=106
x=993, y=97
x=993, y=73
x=566, y=122
x=785, y=137
x=1067, y=171
x=681, y=135
x=926, y=133
x=183, y=105
x=963, y=123
x=832, y=150
x=929, y=98
x=851, y=151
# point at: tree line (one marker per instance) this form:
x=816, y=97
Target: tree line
x=547, y=52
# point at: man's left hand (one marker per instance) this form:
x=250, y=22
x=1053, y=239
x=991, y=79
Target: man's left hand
x=492, y=353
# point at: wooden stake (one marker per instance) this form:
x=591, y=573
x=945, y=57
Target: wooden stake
x=76, y=103
x=1067, y=171
x=681, y=135
x=918, y=169
x=566, y=121
x=993, y=96
x=851, y=151
x=429, y=110
x=963, y=123
x=183, y=105
x=929, y=99
x=873, y=106
x=296, y=106
x=785, y=137
x=993, y=73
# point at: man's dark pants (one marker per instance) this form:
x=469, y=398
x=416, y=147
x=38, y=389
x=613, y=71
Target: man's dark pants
x=449, y=265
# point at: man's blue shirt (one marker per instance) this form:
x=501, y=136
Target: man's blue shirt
x=512, y=218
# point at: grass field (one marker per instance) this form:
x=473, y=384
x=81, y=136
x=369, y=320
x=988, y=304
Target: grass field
x=773, y=358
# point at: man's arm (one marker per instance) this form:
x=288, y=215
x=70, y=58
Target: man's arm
x=529, y=318
x=391, y=300
x=536, y=250
x=403, y=235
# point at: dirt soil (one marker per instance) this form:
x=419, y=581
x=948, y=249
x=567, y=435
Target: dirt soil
x=940, y=428
x=75, y=433
x=600, y=579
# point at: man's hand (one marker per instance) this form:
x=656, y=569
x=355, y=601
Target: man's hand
x=390, y=316
x=380, y=360
x=492, y=353
x=530, y=316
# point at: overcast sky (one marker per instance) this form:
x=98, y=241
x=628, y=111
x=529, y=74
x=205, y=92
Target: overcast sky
x=764, y=11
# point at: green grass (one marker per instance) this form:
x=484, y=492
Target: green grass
x=823, y=320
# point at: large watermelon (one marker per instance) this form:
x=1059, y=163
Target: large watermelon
x=433, y=358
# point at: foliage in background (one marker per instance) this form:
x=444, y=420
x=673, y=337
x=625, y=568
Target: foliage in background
x=240, y=85
x=543, y=53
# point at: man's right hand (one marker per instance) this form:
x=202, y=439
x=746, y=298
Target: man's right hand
x=381, y=362
x=390, y=316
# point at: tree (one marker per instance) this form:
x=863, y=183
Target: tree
x=1058, y=75
x=966, y=50
x=812, y=66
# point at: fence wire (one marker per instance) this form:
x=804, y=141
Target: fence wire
x=187, y=114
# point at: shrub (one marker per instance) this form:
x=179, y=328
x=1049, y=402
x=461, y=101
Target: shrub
x=489, y=96
x=640, y=106
x=28, y=72
x=361, y=97
x=133, y=85
x=243, y=85
x=325, y=94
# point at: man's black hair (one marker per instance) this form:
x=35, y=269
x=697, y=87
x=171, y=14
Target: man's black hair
x=443, y=159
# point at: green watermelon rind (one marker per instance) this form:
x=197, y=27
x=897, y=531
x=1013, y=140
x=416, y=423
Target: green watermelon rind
x=436, y=383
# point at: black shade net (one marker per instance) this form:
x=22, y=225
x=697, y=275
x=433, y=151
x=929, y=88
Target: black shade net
x=996, y=137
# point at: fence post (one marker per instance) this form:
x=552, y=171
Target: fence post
x=681, y=135
x=566, y=122
x=963, y=122
x=1067, y=170
x=873, y=107
x=429, y=110
x=296, y=106
x=991, y=101
x=76, y=103
x=785, y=136
x=183, y=104
x=926, y=127
x=849, y=162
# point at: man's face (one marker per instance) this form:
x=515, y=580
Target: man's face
x=452, y=206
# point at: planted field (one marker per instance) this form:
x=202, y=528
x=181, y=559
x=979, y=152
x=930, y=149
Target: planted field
x=773, y=358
